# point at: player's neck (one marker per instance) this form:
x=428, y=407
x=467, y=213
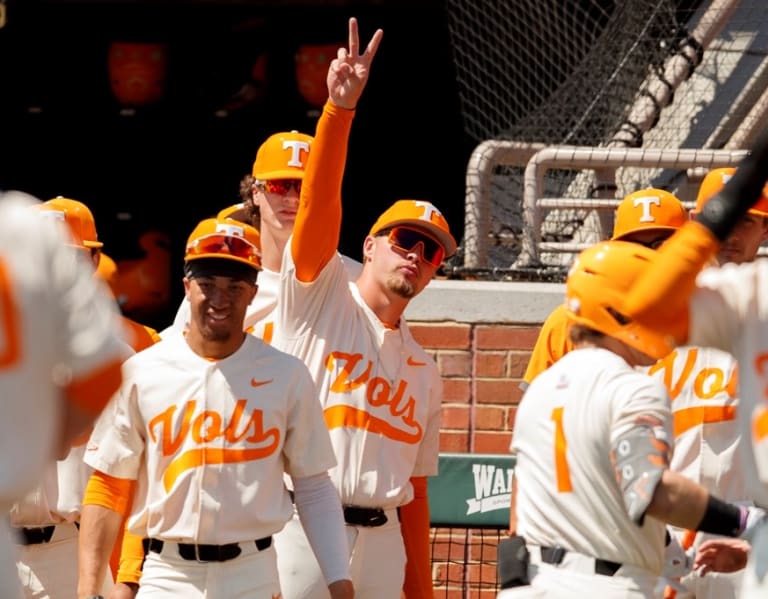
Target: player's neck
x=210, y=349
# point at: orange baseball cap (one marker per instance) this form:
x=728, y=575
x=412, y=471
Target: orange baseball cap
x=226, y=239
x=282, y=156
x=648, y=209
x=77, y=216
x=419, y=214
x=715, y=180
x=236, y=212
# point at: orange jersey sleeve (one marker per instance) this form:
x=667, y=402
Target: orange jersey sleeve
x=551, y=345
x=414, y=523
x=110, y=492
x=318, y=222
x=659, y=298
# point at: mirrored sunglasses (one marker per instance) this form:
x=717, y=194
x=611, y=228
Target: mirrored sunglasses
x=282, y=186
x=225, y=245
x=408, y=240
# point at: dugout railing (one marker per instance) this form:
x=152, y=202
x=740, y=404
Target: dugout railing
x=469, y=515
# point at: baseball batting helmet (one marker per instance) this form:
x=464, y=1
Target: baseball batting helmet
x=596, y=286
x=713, y=183
x=282, y=156
x=77, y=216
x=226, y=239
x=418, y=214
x=648, y=209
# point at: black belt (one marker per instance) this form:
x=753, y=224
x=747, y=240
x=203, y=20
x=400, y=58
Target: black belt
x=360, y=516
x=206, y=553
x=364, y=516
x=36, y=536
x=555, y=555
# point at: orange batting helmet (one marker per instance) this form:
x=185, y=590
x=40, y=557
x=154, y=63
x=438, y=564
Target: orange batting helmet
x=596, y=286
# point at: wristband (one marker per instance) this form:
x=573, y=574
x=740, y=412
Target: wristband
x=721, y=518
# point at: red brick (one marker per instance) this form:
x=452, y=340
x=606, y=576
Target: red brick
x=441, y=336
x=455, y=417
x=506, y=337
x=498, y=391
x=490, y=418
x=492, y=442
x=453, y=442
x=490, y=363
x=454, y=363
x=456, y=390
x=511, y=413
x=517, y=363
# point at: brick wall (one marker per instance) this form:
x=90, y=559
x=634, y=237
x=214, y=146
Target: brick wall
x=482, y=366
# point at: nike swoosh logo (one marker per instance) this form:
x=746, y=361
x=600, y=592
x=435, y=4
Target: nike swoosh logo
x=255, y=383
x=412, y=362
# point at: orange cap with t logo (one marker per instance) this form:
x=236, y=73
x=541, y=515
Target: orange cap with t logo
x=715, y=180
x=648, y=209
x=282, y=156
x=419, y=214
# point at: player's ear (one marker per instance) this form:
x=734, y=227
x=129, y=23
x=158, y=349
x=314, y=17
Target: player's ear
x=187, y=282
x=369, y=247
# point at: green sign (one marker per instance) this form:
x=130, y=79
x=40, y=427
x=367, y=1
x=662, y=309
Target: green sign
x=471, y=490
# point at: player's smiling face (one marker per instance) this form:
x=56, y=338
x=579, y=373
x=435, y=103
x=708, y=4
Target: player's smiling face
x=218, y=306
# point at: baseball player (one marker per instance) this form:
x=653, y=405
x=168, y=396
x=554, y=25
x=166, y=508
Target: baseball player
x=204, y=426
x=60, y=356
x=270, y=205
x=722, y=308
x=593, y=439
x=379, y=390
x=648, y=217
x=702, y=382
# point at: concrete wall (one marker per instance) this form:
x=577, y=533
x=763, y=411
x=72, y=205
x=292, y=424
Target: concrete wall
x=481, y=335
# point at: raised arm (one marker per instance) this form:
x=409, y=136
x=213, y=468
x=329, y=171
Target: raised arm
x=318, y=221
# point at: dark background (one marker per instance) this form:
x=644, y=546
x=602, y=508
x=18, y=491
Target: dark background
x=63, y=132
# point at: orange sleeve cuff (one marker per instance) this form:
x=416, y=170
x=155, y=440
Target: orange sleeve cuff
x=131, y=558
x=93, y=392
x=414, y=524
x=659, y=298
x=109, y=492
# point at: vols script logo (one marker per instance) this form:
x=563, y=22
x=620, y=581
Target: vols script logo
x=380, y=395
x=208, y=426
x=493, y=486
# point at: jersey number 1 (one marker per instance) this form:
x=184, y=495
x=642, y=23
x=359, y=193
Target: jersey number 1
x=561, y=462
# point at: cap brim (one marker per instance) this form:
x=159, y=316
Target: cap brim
x=284, y=174
x=93, y=244
x=626, y=234
x=223, y=258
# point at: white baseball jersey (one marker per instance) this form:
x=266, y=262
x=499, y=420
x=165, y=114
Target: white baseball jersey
x=729, y=311
x=209, y=441
x=259, y=317
x=379, y=390
x=702, y=384
x=567, y=493
x=57, y=326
